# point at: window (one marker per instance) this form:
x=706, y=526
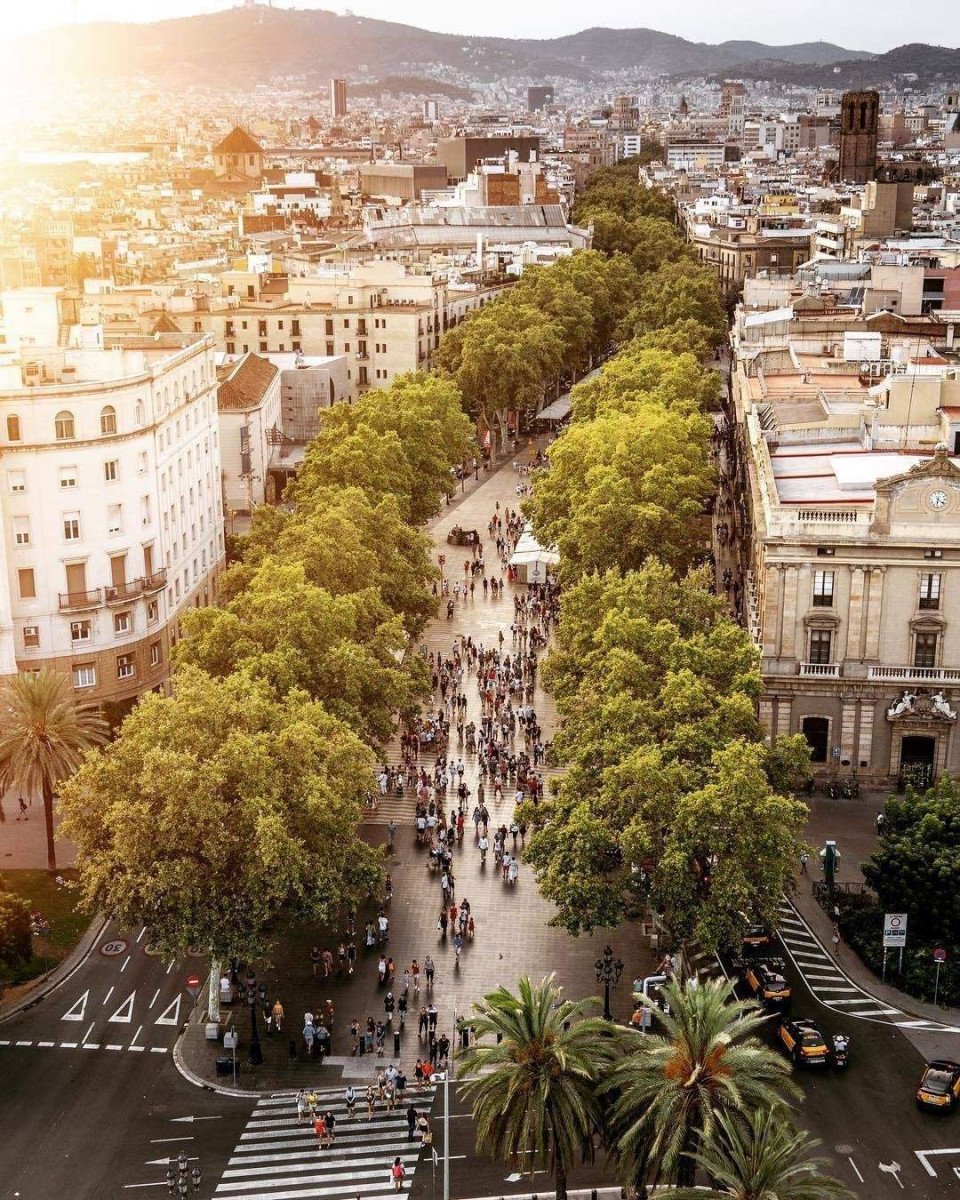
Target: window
x=820, y=645
x=114, y=518
x=21, y=531
x=261, y=329
x=79, y=631
x=27, y=583
x=31, y=636
x=142, y=463
x=63, y=427
x=925, y=650
x=122, y=623
x=13, y=429
x=17, y=481
x=111, y=470
x=823, y=589
x=71, y=527
x=231, y=347
x=153, y=612
x=930, y=590
x=108, y=420
x=156, y=656
x=263, y=347
x=328, y=327
x=85, y=676
x=68, y=477
x=138, y=413
x=125, y=666
x=330, y=349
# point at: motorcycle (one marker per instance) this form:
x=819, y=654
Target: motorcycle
x=841, y=1050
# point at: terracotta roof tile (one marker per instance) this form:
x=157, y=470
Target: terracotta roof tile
x=244, y=384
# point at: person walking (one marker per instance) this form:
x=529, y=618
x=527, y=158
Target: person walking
x=371, y=1102
x=411, y=1120
x=309, y=1033
x=320, y=1129
x=350, y=1099
x=804, y=859
x=428, y=969
x=397, y=1173
x=276, y=1014
x=415, y=975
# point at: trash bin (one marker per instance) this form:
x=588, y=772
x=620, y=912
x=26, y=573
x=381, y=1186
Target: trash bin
x=225, y=1065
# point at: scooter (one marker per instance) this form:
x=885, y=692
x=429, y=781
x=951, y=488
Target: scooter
x=841, y=1050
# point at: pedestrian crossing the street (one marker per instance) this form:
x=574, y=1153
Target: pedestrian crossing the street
x=829, y=983
x=277, y=1157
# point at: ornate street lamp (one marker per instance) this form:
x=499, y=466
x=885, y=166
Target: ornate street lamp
x=181, y=1177
x=609, y=970
x=255, y=1055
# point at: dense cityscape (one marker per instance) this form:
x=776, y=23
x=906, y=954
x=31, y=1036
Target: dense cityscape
x=479, y=654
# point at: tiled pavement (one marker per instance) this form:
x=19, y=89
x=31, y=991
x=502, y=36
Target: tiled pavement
x=513, y=931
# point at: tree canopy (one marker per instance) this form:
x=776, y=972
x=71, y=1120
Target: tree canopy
x=219, y=809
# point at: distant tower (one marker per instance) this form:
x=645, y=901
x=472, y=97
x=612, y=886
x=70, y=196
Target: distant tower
x=859, y=122
x=684, y=108
x=338, y=98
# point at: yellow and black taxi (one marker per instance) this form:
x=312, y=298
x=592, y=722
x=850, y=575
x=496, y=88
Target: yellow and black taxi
x=766, y=982
x=939, y=1086
x=804, y=1042
x=757, y=937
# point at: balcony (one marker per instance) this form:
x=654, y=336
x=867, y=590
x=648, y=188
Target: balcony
x=155, y=582
x=121, y=593
x=908, y=674
x=824, y=670
x=81, y=601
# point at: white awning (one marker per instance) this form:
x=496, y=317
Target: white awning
x=557, y=410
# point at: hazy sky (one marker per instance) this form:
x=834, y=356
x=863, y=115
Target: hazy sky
x=857, y=24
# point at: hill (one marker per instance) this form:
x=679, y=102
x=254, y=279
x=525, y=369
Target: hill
x=257, y=45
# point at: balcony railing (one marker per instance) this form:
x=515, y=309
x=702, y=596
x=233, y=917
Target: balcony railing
x=908, y=674
x=830, y=670
x=156, y=581
x=120, y=593
x=78, y=601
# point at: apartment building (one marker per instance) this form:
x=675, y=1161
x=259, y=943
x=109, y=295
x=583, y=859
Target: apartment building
x=110, y=496
x=847, y=458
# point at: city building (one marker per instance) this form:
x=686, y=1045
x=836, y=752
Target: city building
x=460, y=155
x=859, y=126
x=338, y=99
x=401, y=181
x=110, y=494
x=248, y=401
x=539, y=98
x=238, y=156
x=851, y=565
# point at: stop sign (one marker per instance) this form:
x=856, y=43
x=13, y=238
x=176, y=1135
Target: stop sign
x=939, y=955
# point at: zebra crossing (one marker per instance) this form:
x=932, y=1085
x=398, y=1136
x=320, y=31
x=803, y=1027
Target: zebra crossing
x=277, y=1157
x=829, y=983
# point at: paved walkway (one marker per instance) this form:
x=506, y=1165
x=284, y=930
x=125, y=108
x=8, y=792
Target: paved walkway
x=513, y=932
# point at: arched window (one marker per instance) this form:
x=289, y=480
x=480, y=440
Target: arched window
x=108, y=420
x=193, y=383
x=63, y=425
x=138, y=413
x=13, y=428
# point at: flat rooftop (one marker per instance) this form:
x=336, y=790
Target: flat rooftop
x=837, y=474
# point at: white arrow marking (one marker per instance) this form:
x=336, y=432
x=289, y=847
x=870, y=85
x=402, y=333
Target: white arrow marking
x=163, y=1162
x=187, y=1137
x=923, y=1155
x=176, y=1119
x=165, y=1018
x=72, y=1013
x=892, y=1168
x=124, y=1013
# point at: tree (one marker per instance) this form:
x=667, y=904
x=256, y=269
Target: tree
x=641, y=375
x=218, y=813
x=16, y=937
x=669, y=1090
x=625, y=486
x=762, y=1157
x=44, y=734
x=534, y=1091
x=680, y=291
x=917, y=862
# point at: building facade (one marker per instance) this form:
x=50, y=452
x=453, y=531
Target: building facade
x=112, y=514
x=859, y=129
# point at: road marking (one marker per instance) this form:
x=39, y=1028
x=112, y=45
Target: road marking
x=23, y=1043
x=137, y=1049
x=165, y=1018
x=186, y=1137
x=46, y=1045
x=856, y=1168
x=835, y=989
x=170, y=968
x=132, y=1045
x=5, y=1042
x=68, y=1045
x=158, y=1049
x=154, y=1000
x=114, y=1046
x=878, y=1012
x=124, y=1014
x=192, y=1119
x=125, y=961
x=892, y=1168
x=89, y=1031
x=72, y=1014
x=925, y=1155
x=108, y=995
x=91, y=1045
x=140, y=934
x=162, y=1183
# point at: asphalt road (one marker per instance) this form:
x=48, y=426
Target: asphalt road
x=90, y=1096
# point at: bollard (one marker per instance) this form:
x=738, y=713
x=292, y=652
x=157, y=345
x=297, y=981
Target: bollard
x=396, y=1043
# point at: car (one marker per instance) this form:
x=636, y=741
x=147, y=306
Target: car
x=804, y=1042
x=767, y=983
x=939, y=1086
x=757, y=937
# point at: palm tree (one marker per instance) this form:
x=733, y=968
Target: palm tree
x=534, y=1091
x=668, y=1090
x=44, y=734
x=762, y=1158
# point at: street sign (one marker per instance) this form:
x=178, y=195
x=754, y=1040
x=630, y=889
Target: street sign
x=939, y=955
x=895, y=930
x=193, y=986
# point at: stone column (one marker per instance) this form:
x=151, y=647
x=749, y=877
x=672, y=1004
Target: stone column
x=865, y=741
x=766, y=715
x=848, y=719
x=855, y=618
x=788, y=641
x=874, y=613
x=784, y=713
x=772, y=611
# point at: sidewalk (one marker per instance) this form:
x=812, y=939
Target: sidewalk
x=513, y=932
x=23, y=844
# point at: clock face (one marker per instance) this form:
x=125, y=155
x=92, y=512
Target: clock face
x=938, y=499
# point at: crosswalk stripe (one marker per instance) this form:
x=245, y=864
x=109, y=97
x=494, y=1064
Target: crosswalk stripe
x=350, y=1177
x=834, y=989
x=261, y=1171
x=290, y=1155
x=369, y=1189
x=880, y=1012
